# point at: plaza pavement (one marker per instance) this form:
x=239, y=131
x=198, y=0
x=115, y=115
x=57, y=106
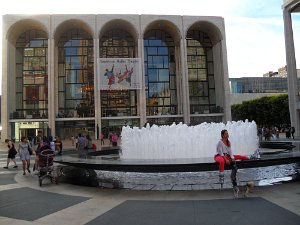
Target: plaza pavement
x=23, y=201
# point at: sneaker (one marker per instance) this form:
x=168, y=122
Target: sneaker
x=24, y=173
x=28, y=170
x=15, y=166
x=5, y=167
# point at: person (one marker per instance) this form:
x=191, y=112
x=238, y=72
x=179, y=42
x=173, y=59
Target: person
x=38, y=140
x=81, y=146
x=76, y=141
x=109, y=137
x=52, y=143
x=110, y=76
x=58, y=145
x=224, y=155
x=11, y=153
x=88, y=144
x=293, y=132
x=114, y=139
x=102, y=138
x=73, y=140
x=24, y=154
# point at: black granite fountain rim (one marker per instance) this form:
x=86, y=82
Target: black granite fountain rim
x=277, y=144
x=178, y=165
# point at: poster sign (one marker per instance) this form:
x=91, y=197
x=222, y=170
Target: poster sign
x=119, y=73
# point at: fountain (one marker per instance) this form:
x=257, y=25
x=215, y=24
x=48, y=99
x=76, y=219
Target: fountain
x=179, y=141
x=179, y=157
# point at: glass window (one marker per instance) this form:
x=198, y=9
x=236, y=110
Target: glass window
x=29, y=52
x=163, y=51
x=152, y=51
x=40, y=52
x=158, y=61
x=37, y=43
x=193, y=76
x=76, y=91
x=200, y=64
x=19, y=84
x=160, y=73
x=164, y=75
x=152, y=75
x=118, y=43
x=31, y=73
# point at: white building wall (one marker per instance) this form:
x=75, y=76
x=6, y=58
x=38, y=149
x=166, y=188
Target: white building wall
x=53, y=25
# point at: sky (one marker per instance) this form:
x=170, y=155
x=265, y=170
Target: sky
x=254, y=28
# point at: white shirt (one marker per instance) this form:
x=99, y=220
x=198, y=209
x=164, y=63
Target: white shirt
x=222, y=149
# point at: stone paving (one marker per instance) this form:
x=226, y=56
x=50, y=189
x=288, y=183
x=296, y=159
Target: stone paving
x=87, y=205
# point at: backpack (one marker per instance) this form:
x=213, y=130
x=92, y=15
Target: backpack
x=94, y=147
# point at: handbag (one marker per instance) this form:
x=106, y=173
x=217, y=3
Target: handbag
x=30, y=150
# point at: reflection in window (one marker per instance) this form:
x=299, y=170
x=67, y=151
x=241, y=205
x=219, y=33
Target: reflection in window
x=200, y=72
x=75, y=74
x=160, y=75
x=118, y=43
x=31, y=75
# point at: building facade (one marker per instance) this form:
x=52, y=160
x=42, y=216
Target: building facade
x=52, y=79
x=249, y=88
x=258, y=85
x=289, y=7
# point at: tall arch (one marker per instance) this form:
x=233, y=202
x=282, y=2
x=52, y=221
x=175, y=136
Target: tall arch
x=162, y=82
x=71, y=24
x=75, y=78
x=201, y=37
x=118, y=24
x=22, y=26
x=27, y=76
x=118, y=39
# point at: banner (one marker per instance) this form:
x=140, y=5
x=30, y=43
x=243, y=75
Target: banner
x=119, y=73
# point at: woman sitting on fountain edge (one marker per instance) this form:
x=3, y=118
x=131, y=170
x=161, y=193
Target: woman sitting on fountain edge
x=224, y=155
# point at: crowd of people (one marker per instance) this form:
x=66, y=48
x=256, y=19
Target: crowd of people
x=32, y=147
x=272, y=133
x=29, y=147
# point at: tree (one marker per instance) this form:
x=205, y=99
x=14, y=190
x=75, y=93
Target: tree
x=265, y=111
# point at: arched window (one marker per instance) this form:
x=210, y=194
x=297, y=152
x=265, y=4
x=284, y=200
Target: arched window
x=76, y=74
x=118, y=43
x=160, y=73
x=31, y=75
x=200, y=73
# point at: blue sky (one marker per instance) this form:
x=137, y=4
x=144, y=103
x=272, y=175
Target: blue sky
x=254, y=28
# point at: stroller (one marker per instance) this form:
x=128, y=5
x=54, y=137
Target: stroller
x=46, y=166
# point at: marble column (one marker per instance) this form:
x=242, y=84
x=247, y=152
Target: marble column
x=291, y=71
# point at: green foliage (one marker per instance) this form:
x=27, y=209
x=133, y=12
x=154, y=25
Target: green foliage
x=265, y=111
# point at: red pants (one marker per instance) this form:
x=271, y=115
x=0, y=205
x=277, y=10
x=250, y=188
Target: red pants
x=219, y=159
